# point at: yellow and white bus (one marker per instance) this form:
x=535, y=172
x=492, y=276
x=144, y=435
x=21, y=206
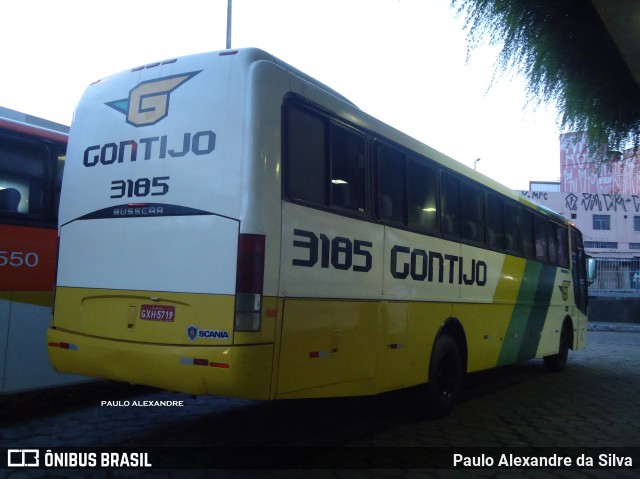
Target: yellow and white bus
x=231, y=226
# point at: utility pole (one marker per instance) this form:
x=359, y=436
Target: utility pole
x=229, y=2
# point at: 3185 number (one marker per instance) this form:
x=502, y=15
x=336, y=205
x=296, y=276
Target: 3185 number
x=339, y=253
x=140, y=188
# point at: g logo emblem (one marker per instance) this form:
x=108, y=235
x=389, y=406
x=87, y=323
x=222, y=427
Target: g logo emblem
x=148, y=102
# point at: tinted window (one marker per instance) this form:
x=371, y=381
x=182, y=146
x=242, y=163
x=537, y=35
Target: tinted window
x=306, y=157
x=450, y=206
x=325, y=162
x=495, y=219
x=552, y=242
x=472, y=214
x=348, y=169
x=526, y=230
x=391, y=184
x=540, y=236
x=563, y=246
x=512, y=228
x=422, y=186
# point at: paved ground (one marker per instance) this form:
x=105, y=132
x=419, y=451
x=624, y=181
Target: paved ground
x=593, y=404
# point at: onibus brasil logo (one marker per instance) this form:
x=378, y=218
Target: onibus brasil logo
x=148, y=102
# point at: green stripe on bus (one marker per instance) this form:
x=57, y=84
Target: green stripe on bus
x=523, y=334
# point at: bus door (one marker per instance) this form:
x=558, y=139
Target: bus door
x=580, y=284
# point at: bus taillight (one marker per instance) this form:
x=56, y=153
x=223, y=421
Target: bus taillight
x=249, y=279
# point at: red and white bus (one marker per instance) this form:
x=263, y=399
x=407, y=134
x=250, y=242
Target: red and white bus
x=31, y=165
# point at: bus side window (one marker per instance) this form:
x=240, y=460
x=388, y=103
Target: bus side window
x=450, y=205
x=391, y=184
x=306, y=162
x=348, y=169
x=552, y=242
x=540, y=235
x=526, y=227
x=495, y=220
x=563, y=246
x=513, y=225
x=422, y=192
x=472, y=214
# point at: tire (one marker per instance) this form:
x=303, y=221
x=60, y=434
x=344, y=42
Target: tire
x=556, y=363
x=445, y=376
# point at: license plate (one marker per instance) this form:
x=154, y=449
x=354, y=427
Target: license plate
x=156, y=312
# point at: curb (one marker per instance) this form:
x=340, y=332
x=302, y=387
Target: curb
x=616, y=327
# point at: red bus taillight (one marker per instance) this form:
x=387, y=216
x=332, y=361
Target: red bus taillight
x=249, y=280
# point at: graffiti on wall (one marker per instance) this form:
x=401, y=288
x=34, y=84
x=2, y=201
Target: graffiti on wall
x=587, y=171
x=592, y=202
x=602, y=202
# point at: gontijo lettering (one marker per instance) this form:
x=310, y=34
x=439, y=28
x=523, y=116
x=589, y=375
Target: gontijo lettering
x=152, y=148
x=421, y=265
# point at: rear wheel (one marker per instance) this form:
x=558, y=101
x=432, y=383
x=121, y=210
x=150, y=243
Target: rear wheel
x=445, y=376
x=557, y=362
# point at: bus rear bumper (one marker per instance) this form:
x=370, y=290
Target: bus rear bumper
x=237, y=371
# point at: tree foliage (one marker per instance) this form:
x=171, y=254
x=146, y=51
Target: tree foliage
x=566, y=55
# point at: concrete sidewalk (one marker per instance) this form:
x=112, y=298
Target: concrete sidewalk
x=618, y=327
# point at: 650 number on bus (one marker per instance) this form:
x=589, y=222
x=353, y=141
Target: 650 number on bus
x=18, y=259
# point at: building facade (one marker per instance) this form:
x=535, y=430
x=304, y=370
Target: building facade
x=599, y=190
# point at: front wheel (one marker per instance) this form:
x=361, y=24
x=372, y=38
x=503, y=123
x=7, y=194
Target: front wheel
x=445, y=376
x=557, y=362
